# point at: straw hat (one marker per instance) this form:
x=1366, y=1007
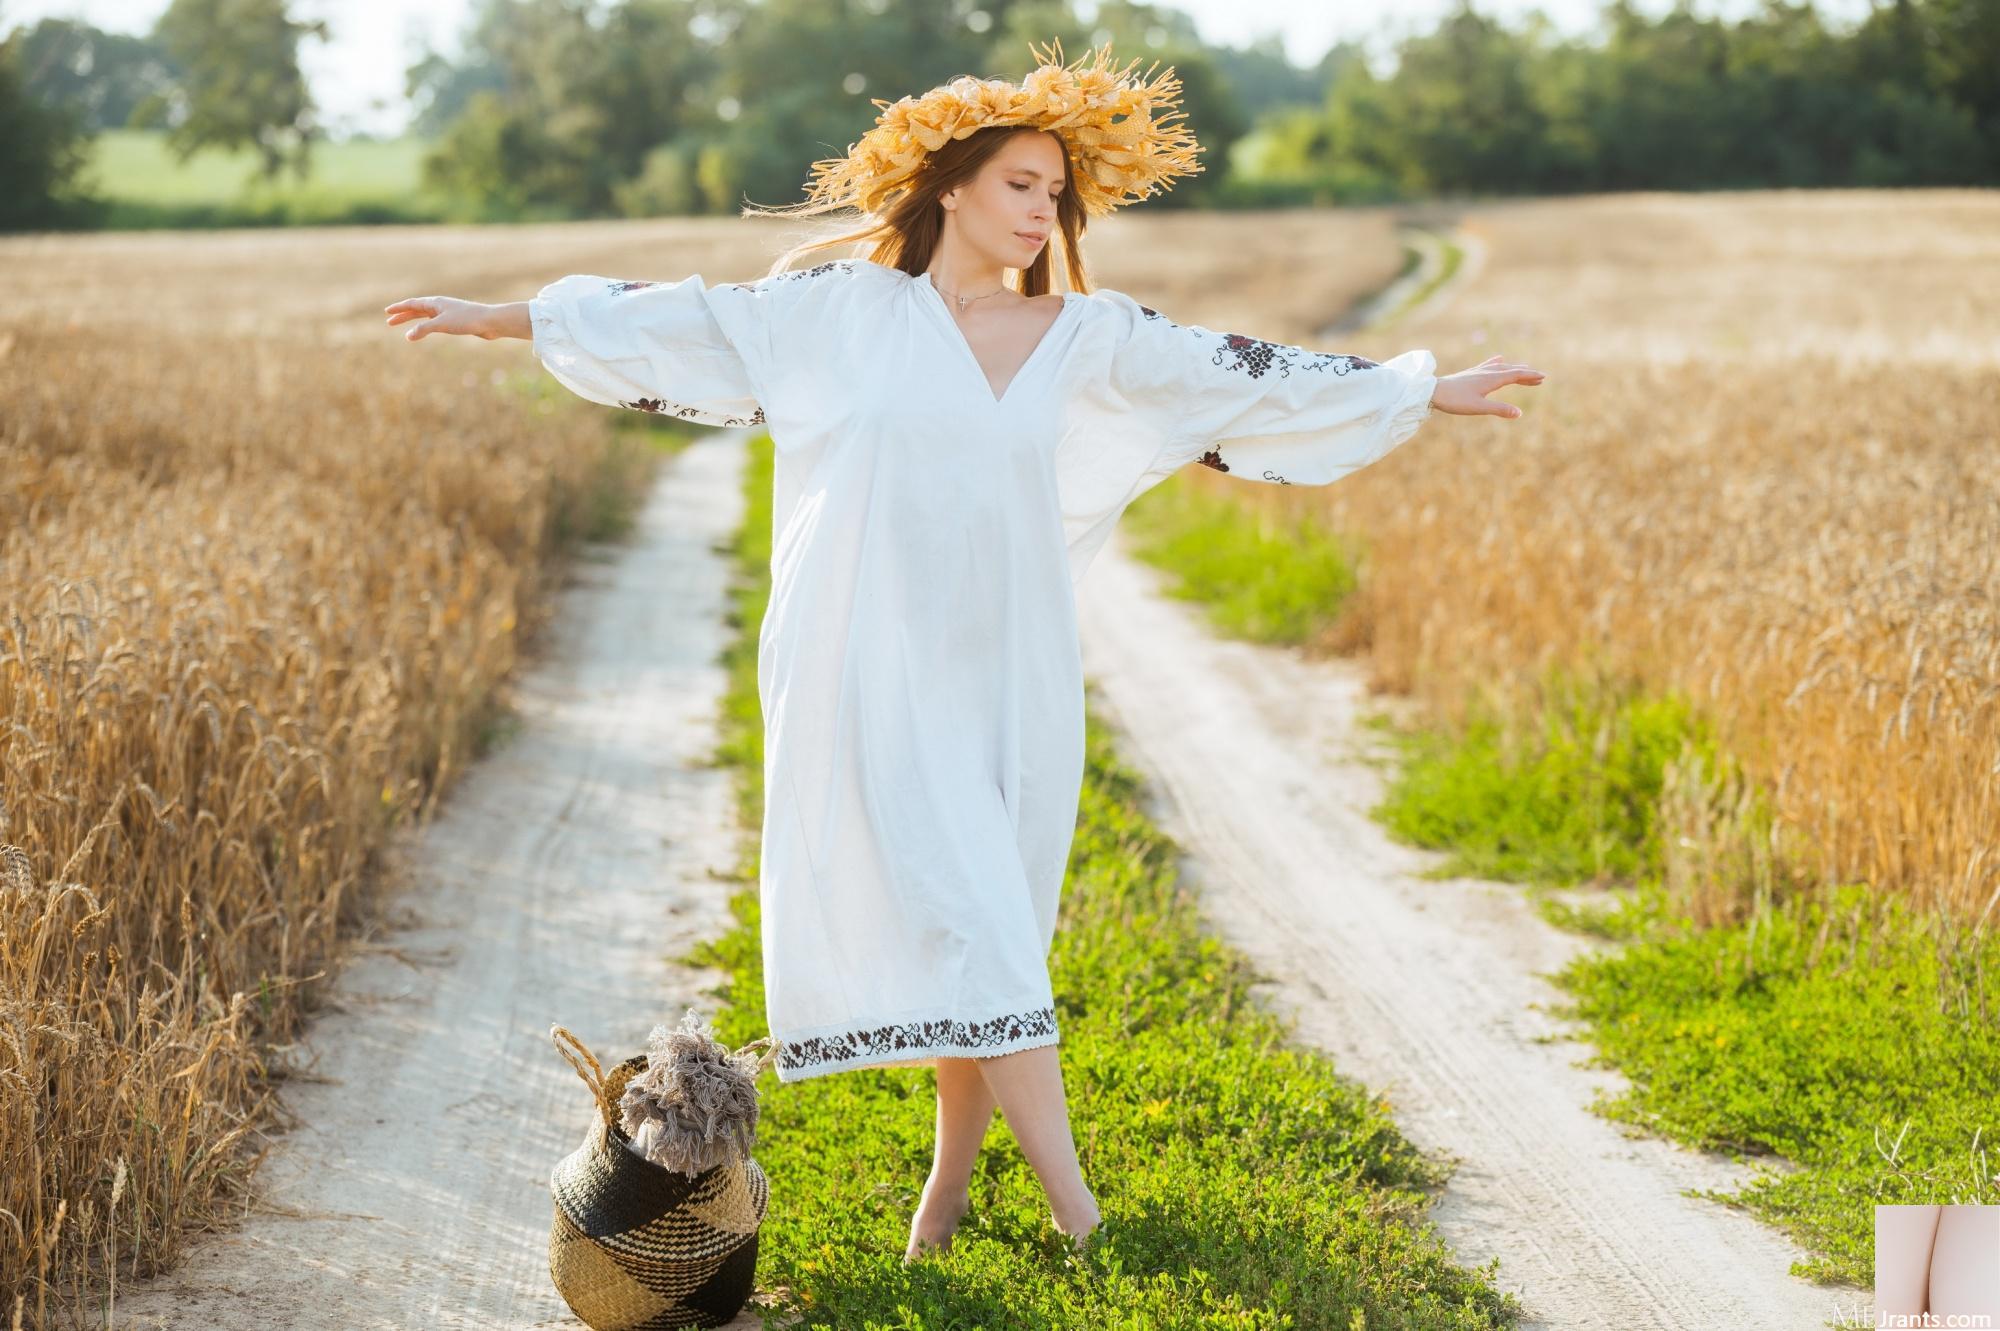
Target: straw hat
x=1115, y=126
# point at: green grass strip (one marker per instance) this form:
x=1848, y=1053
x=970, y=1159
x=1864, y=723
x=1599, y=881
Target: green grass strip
x=1848, y=1048
x=1257, y=576
x=1567, y=793
x=1451, y=257
x=1243, y=1182
x=1831, y=1032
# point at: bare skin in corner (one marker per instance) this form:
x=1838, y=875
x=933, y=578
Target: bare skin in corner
x=997, y=221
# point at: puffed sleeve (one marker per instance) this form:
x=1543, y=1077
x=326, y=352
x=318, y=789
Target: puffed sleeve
x=1260, y=410
x=685, y=348
x=1150, y=395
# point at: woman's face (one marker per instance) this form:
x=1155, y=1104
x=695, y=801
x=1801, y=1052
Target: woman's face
x=1006, y=212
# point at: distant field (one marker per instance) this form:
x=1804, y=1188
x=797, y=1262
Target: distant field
x=348, y=182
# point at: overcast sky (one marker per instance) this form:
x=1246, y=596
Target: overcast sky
x=357, y=75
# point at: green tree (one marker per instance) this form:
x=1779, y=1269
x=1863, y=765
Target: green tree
x=42, y=151
x=104, y=75
x=701, y=105
x=1960, y=40
x=1674, y=101
x=240, y=85
x=1465, y=105
x=572, y=98
x=439, y=91
x=576, y=107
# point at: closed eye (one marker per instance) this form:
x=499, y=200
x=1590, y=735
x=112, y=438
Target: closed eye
x=1053, y=194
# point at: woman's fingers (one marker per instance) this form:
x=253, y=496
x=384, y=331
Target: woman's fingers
x=1510, y=373
x=1495, y=372
x=416, y=308
x=427, y=311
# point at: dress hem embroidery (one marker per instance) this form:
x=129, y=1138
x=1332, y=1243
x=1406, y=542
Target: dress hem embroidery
x=903, y=1042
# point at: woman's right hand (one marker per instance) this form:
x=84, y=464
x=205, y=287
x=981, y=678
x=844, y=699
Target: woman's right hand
x=1464, y=393
x=444, y=314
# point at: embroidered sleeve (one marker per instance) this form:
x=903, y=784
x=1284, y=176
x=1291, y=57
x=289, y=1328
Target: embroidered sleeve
x=1265, y=411
x=686, y=349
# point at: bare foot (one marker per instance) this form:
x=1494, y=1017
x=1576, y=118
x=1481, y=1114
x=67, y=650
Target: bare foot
x=935, y=1222
x=1078, y=1225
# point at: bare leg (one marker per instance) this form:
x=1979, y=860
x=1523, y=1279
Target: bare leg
x=1028, y=1085
x=964, y=1113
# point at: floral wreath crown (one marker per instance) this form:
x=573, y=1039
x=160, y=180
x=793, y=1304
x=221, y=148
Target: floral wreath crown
x=1121, y=147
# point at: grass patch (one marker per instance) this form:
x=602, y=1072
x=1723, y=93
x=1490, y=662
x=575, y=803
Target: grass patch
x=1567, y=793
x=606, y=505
x=1244, y=1183
x=1451, y=257
x=1258, y=574
x=140, y=184
x=1827, y=1030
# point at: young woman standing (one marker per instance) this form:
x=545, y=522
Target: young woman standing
x=951, y=449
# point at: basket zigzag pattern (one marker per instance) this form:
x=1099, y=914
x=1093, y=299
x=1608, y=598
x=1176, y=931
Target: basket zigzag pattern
x=635, y=1246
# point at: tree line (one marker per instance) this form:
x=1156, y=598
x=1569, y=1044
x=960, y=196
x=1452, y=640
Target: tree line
x=580, y=108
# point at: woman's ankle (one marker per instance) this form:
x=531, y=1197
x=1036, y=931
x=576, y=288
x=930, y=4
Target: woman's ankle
x=1076, y=1215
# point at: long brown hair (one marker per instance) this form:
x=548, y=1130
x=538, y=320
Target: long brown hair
x=906, y=235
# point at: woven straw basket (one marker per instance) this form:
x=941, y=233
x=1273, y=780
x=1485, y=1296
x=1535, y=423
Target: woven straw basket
x=636, y=1246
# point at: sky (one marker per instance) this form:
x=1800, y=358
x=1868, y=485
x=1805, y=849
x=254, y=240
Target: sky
x=357, y=75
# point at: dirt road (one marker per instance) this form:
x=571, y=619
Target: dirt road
x=1422, y=989
x=556, y=881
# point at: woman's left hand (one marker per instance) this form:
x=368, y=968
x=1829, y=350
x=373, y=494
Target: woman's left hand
x=1464, y=393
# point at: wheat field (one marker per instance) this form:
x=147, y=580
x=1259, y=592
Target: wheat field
x=1764, y=471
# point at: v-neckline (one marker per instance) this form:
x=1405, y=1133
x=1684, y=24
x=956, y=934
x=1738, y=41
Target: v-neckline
x=965, y=345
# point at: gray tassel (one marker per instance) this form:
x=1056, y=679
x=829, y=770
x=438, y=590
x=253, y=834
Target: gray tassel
x=695, y=1105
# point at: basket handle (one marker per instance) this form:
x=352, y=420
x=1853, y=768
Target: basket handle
x=769, y=1053
x=593, y=1075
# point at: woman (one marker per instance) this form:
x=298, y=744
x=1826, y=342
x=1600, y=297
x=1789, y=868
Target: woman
x=950, y=453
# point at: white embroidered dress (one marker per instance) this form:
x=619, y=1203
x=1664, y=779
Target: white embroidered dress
x=918, y=664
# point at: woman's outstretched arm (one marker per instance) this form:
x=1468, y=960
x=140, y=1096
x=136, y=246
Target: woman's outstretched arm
x=469, y=318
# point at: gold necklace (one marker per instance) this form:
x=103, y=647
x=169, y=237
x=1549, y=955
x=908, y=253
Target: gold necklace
x=963, y=301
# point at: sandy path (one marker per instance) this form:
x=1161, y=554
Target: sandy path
x=1398, y=301
x=1421, y=989
x=556, y=881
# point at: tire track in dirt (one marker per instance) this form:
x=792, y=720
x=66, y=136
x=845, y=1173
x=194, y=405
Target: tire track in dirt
x=1426, y=991
x=556, y=881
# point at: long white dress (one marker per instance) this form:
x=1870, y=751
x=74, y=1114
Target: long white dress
x=918, y=663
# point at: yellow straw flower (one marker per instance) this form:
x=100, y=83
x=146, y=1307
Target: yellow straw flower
x=1122, y=147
